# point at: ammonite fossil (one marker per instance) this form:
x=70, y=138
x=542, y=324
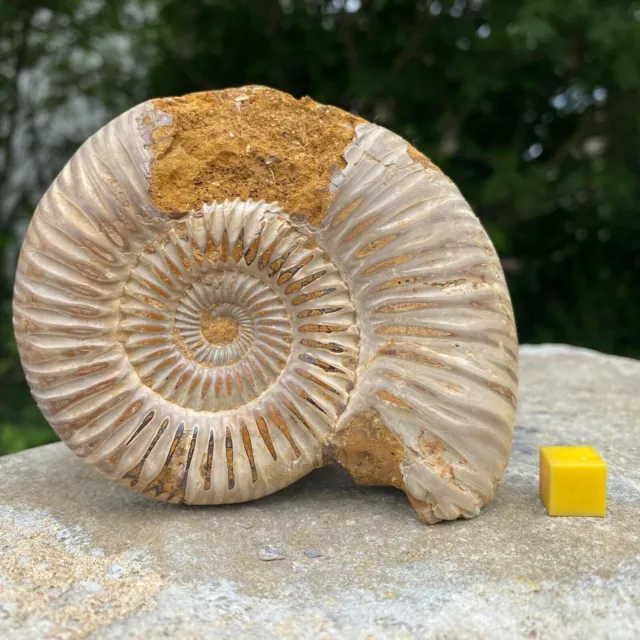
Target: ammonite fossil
x=223, y=291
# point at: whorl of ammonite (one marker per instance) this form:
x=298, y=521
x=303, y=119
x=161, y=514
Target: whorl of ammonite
x=221, y=292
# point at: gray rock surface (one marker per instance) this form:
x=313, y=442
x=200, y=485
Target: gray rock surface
x=82, y=557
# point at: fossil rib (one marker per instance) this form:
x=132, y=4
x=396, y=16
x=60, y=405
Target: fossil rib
x=221, y=292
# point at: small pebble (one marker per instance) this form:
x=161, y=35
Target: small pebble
x=271, y=553
x=313, y=553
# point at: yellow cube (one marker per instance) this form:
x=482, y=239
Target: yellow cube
x=573, y=481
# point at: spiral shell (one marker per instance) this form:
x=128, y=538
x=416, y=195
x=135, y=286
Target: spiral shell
x=222, y=292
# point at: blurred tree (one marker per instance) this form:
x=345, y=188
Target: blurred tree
x=530, y=106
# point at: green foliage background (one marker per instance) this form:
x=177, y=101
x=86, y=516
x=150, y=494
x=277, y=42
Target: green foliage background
x=530, y=106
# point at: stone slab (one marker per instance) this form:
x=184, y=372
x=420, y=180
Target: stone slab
x=81, y=557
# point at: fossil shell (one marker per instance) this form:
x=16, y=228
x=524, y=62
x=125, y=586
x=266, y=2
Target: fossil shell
x=221, y=292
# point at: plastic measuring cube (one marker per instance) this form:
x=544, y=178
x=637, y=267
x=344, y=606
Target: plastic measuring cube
x=573, y=481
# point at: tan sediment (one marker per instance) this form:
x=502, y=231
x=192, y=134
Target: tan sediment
x=249, y=143
x=434, y=450
x=416, y=156
x=182, y=346
x=171, y=482
x=369, y=451
x=373, y=454
x=413, y=331
x=219, y=330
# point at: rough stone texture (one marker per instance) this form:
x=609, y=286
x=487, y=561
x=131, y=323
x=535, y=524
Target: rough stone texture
x=82, y=556
x=249, y=143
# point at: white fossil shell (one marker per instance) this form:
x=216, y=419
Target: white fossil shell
x=220, y=356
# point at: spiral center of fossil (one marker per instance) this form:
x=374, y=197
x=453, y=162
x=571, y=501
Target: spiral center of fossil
x=218, y=330
x=225, y=313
